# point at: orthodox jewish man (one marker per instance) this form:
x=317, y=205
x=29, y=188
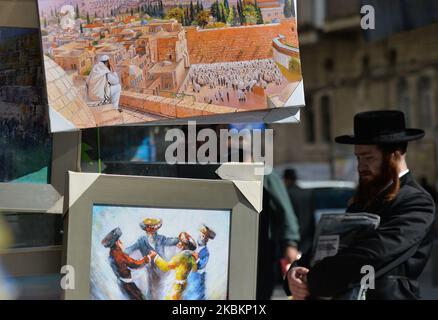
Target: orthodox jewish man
x=152, y=241
x=196, y=281
x=122, y=264
x=402, y=243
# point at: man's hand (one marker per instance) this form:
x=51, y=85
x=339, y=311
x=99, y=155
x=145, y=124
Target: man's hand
x=152, y=255
x=296, y=279
x=292, y=254
x=195, y=255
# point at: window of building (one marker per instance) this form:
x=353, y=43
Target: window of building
x=309, y=121
x=326, y=119
x=425, y=103
x=404, y=100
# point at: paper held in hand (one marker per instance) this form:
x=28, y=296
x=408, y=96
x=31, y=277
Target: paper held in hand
x=337, y=231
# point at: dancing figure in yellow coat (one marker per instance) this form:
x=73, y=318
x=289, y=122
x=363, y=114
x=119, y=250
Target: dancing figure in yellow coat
x=183, y=263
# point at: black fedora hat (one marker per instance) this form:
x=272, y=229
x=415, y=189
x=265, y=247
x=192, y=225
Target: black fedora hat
x=380, y=127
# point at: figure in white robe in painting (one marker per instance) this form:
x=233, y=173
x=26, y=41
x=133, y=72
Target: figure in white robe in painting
x=103, y=84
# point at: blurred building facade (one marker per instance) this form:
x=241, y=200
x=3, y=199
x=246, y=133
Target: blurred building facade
x=344, y=74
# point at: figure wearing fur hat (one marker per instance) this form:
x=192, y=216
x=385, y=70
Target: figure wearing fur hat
x=153, y=241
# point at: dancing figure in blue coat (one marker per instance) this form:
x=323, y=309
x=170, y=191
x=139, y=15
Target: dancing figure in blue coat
x=196, y=281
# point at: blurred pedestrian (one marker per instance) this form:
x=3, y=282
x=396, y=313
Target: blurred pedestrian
x=303, y=208
x=279, y=235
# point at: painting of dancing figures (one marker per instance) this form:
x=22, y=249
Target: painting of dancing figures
x=159, y=254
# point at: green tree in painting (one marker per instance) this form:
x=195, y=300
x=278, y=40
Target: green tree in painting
x=202, y=18
x=88, y=18
x=219, y=13
x=160, y=7
x=258, y=13
x=240, y=12
x=230, y=18
x=287, y=10
x=250, y=14
x=236, y=20
x=78, y=15
x=176, y=13
x=192, y=11
x=215, y=10
x=187, y=21
x=227, y=5
x=223, y=12
x=151, y=10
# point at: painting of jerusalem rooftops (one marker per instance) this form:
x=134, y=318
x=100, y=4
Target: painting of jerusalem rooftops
x=115, y=62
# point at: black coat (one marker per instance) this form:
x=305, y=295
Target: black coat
x=406, y=221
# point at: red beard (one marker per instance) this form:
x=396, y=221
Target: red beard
x=368, y=190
